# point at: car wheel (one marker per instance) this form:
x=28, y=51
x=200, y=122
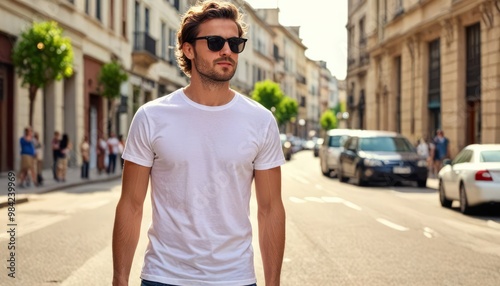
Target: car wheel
x=341, y=176
x=442, y=197
x=422, y=183
x=359, y=177
x=464, y=204
x=324, y=169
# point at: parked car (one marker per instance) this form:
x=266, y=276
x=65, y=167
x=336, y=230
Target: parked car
x=381, y=156
x=286, y=146
x=317, y=144
x=329, y=151
x=472, y=178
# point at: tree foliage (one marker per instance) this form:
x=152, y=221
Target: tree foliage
x=328, y=120
x=267, y=93
x=110, y=79
x=41, y=55
x=270, y=95
x=287, y=109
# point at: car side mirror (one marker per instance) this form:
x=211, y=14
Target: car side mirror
x=446, y=162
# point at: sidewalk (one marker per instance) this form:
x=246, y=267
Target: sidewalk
x=49, y=184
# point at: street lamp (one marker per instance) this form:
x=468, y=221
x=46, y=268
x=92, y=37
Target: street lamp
x=302, y=122
x=342, y=118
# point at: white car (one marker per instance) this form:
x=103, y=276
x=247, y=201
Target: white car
x=473, y=177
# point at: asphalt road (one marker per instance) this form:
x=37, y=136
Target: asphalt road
x=337, y=234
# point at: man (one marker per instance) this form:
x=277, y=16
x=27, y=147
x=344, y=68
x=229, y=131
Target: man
x=55, y=153
x=441, y=150
x=203, y=146
x=113, y=148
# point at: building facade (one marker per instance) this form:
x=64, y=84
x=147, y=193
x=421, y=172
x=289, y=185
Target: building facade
x=431, y=65
x=141, y=36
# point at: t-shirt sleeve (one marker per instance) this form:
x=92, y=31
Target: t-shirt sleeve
x=138, y=145
x=271, y=153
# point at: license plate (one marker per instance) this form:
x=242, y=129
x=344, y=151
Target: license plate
x=401, y=170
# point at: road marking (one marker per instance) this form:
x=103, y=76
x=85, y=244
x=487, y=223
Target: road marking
x=392, y=225
x=332, y=199
x=314, y=199
x=429, y=233
x=352, y=205
x=296, y=200
x=301, y=179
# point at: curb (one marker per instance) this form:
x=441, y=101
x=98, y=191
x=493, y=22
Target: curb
x=25, y=197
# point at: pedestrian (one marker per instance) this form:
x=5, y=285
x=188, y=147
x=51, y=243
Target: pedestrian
x=38, y=158
x=203, y=146
x=28, y=156
x=85, y=153
x=120, y=150
x=424, y=150
x=55, y=153
x=113, y=149
x=101, y=155
x=441, y=150
x=65, y=147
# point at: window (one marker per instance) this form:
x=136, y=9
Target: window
x=362, y=36
x=473, y=62
x=98, y=10
x=124, y=18
x=163, y=52
x=137, y=17
x=171, y=48
x=434, y=86
x=490, y=156
x=146, y=20
x=87, y=7
x=112, y=14
x=397, y=63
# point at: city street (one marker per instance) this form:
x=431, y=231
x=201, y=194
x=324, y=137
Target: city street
x=337, y=234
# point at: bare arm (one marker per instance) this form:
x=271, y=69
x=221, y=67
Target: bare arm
x=271, y=218
x=128, y=218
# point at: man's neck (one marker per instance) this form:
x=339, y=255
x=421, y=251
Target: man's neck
x=210, y=95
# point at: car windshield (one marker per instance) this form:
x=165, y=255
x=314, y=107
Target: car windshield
x=337, y=141
x=490, y=156
x=385, y=144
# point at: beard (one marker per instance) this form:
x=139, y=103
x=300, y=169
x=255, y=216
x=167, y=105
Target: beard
x=207, y=71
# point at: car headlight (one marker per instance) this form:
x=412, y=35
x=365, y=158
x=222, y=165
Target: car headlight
x=372, y=163
x=422, y=163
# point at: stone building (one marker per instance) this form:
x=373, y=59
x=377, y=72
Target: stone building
x=141, y=36
x=430, y=65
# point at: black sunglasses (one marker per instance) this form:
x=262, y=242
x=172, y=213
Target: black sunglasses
x=216, y=43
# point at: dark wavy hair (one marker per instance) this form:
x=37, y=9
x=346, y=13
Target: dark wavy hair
x=195, y=16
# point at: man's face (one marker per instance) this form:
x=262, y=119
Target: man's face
x=213, y=66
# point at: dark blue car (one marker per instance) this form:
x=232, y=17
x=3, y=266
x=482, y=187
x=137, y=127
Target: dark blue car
x=381, y=156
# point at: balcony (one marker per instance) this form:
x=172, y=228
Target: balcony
x=144, y=52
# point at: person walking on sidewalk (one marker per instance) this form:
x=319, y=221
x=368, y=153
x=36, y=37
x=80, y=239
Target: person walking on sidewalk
x=28, y=157
x=65, y=147
x=203, y=146
x=55, y=153
x=38, y=158
x=85, y=153
x=113, y=150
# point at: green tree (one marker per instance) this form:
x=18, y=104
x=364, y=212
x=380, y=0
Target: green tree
x=287, y=109
x=42, y=55
x=328, y=120
x=267, y=93
x=110, y=79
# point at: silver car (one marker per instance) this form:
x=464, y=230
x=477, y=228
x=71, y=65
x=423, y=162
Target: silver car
x=329, y=152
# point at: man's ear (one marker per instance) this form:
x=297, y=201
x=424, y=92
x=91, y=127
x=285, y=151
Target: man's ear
x=188, y=50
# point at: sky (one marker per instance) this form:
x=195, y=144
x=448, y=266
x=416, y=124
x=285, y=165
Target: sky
x=322, y=28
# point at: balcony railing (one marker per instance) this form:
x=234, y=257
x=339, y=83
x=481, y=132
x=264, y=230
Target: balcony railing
x=144, y=52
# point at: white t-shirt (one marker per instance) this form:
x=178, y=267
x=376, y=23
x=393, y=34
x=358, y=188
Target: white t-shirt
x=202, y=160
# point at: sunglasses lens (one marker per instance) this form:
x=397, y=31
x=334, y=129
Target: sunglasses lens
x=215, y=43
x=236, y=45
